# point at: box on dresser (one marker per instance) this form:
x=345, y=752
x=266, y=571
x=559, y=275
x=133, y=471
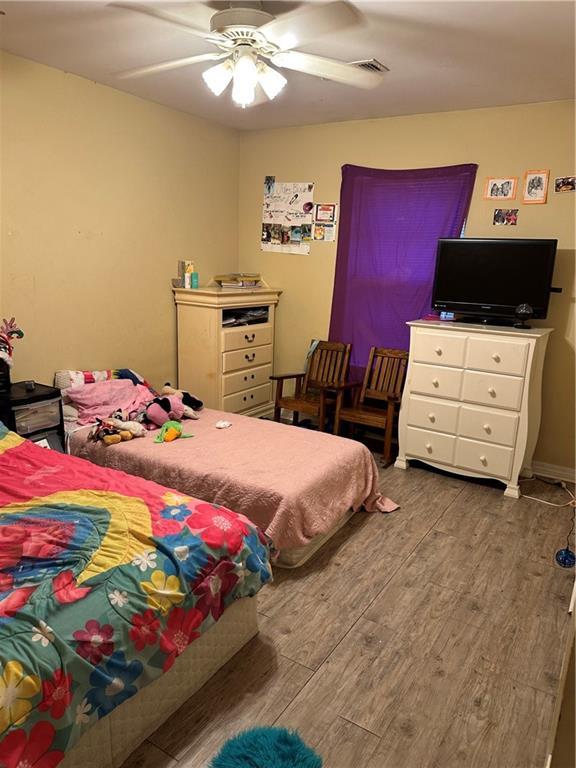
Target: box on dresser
x=472, y=400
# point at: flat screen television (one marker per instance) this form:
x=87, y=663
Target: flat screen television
x=486, y=279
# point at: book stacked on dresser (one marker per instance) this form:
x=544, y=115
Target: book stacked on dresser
x=239, y=280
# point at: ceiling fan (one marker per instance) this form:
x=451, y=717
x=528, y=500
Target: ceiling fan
x=249, y=38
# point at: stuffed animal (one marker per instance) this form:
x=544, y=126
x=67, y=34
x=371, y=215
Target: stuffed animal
x=171, y=430
x=191, y=403
x=8, y=331
x=134, y=427
x=163, y=409
x=108, y=433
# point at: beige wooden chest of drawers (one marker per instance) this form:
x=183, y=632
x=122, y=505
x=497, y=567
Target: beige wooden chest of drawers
x=471, y=403
x=229, y=368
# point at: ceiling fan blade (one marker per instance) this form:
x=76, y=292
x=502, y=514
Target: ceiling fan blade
x=165, y=66
x=157, y=13
x=330, y=69
x=295, y=29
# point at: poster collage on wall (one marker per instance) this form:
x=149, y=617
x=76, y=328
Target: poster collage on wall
x=534, y=192
x=291, y=220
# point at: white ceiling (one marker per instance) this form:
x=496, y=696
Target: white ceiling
x=442, y=56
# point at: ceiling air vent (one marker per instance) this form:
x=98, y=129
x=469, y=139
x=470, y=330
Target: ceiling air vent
x=372, y=65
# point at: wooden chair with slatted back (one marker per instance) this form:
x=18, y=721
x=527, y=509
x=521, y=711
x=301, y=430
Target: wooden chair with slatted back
x=315, y=394
x=376, y=401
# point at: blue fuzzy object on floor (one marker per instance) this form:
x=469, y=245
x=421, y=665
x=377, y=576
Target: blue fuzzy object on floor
x=266, y=748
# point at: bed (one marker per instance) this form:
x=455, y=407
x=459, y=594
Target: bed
x=297, y=485
x=115, y=593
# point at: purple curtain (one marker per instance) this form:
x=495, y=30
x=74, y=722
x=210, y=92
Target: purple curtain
x=390, y=222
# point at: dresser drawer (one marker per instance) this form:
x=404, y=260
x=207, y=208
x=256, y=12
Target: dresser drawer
x=483, y=457
x=433, y=380
x=430, y=445
x=488, y=424
x=439, y=348
x=30, y=418
x=497, y=356
x=248, y=399
x=237, y=382
x=433, y=414
x=246, y=358
x=246, y=336
x=491, y=389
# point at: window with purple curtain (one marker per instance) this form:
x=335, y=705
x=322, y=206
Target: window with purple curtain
x=390, y=222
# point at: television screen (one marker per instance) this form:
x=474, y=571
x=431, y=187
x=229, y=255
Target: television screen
x=491, y=277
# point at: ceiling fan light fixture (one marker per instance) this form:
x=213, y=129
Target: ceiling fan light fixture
x=272, y=82
x=245, y=79
x=217, y=78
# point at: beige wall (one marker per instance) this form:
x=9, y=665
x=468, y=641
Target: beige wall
x=102, y=193
x=504, y=141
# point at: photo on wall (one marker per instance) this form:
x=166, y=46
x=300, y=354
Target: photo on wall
x=535, y=187
x=500, y=188
x=565, y=184
x=505, y=217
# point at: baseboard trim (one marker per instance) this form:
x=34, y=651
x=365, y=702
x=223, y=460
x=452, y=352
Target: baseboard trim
x=554, y=471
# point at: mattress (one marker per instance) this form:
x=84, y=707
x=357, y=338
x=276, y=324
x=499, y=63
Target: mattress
x=112, y=740
x=297, y=556
x=295, y=484
x=105, y=580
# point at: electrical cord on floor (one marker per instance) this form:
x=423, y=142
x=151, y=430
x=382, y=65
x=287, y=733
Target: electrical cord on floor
x=564, y=557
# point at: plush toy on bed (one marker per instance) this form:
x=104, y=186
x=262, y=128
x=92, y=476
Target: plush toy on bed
x=190, y=402
x=134, y=427
x=163, y=409
x=113, y=431
x=172, y=430
x=171, y=405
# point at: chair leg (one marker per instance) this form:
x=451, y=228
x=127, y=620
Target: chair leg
x=295, y=416
x=387, y=453
x=277, y=400
x=322, y=412
x=336, y=430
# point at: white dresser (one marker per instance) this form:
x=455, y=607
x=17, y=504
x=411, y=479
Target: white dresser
x=226, y=367
x=472, y=399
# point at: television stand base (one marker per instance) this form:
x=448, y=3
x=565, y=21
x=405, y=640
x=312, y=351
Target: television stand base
x=507, y=322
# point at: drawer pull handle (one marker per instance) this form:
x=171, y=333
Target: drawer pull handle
x=483, y=460
x=435, y=383
x=249, y=339
x=496, y=357
x=491, y=391
x=245, y=378
x=487, y=428
x=251, y=397
x=429, y=447
x=250, y=358
x=432, y=417
x=438, y=351
x=244, y=398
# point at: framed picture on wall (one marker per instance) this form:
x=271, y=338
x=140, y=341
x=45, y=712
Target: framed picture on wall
x=565, y=184
x=535, y=187
x=500, y=188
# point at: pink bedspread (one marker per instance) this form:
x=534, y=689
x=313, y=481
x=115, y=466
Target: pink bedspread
x=101, y=399
x=296, y=484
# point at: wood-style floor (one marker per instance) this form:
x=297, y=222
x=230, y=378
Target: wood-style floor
x=429, y=638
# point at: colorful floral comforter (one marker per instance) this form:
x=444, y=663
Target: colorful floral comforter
x=105, y=579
